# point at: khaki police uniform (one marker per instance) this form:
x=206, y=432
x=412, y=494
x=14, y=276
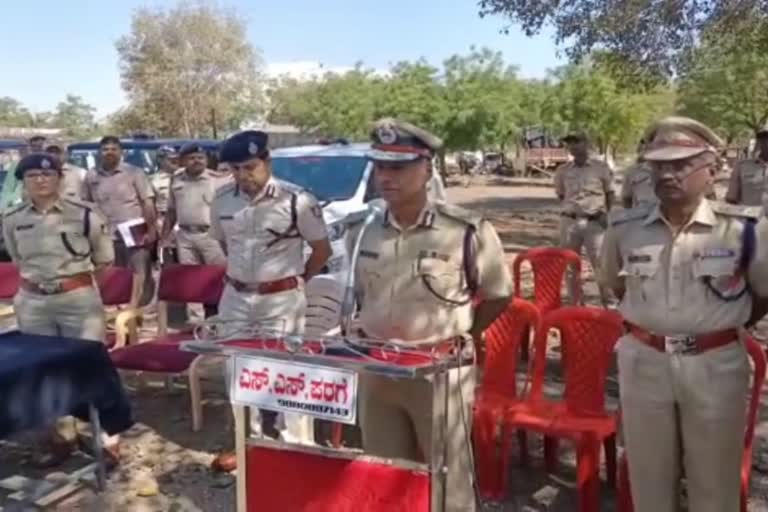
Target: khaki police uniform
x=686, y=282
x=191, y=198
x=264, y=239
x=415, y=284
x=747, y=183
x=412, y=287
x=638, y=186
x=119, y=194
x=53, y=247
x=73, y=181
x=584, y=209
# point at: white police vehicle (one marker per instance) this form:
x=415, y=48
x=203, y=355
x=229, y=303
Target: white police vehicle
x=340, y=176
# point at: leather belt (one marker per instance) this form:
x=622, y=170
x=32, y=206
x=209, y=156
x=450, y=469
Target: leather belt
x=590, y=217
x=194, y=228
x=684, y=344
x=266, y=287
x=65, y=285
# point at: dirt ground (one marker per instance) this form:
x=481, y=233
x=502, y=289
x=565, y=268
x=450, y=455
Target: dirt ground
x=167, y=462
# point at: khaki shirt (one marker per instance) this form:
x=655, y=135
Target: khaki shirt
x=666, y=274
x=638, y=185
x=58, y=243
x=119, y=194
x=249, y=230
x=747, y=183
x=397, y=267
x=191, y=196
x=584, y=188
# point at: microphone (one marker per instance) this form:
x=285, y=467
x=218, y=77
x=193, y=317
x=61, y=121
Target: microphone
x=348, y=304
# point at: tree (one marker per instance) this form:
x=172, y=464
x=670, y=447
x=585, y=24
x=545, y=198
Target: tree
x=14, y=114
x=655, y=34
x=188, y=64
x=75, y=116
x=724, y=81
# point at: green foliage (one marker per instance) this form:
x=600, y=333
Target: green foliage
x=725, y=82
x=475, y=101
x=75, y=116
x=186, y=65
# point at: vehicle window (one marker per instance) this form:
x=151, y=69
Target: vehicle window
x=328, y=178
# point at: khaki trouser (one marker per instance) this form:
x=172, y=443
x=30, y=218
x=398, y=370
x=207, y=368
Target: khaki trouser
x=198, y=249
x=697, y=400
x=405, y=419
x=578, y=233
x=283, y=312
x=75, y=314
x=139, y=260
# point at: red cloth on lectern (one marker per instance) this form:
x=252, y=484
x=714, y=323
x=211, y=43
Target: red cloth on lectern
x=290, y=481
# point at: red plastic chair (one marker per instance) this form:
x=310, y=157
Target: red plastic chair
x=498, y=390
x=549, y=266
x=757, y=355
x=162, y=354
x=588, y=336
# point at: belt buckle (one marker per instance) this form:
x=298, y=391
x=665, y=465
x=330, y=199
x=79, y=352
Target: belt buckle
x=50, y=288
x=680, y=344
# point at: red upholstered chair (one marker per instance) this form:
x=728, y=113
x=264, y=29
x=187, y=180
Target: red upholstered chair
x=588, y=337
x=162, y=354
x=115, y=286
x=757, y=355
x=549, y=266
x=498, y=391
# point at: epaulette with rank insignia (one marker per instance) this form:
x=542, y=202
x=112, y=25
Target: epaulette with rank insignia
x=459, y=213
x=15, y=208
x=737, y=210
x=616, y=217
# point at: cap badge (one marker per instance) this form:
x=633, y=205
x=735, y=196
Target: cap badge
x=253, y=148
x=45, y=163
x=387, y=134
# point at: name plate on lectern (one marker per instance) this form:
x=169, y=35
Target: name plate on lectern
x=318, y=391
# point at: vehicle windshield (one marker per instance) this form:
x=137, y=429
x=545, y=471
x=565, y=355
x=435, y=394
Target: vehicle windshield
x=141, y=158
x=328, y=178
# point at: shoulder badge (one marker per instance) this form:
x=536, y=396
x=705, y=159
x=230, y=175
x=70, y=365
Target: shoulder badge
x=737, y=210
x=458, y=213
x=616, y=217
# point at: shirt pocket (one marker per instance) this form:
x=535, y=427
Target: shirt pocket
x=642, y=263
x=718, y=269
x=443, y=280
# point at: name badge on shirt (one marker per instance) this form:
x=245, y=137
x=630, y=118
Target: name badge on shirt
x=24, y=227
x=715, y=253
x=369, y=254
x=226, y=217
x=639, y=258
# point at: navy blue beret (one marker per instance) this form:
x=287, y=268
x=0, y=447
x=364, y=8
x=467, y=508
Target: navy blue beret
x=166, y=151
x=192, y=147
x=244, y=146
x=36, y=161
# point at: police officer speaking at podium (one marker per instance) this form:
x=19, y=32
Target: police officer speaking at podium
x=690, y=273
x=420, y=263
x=57, y=243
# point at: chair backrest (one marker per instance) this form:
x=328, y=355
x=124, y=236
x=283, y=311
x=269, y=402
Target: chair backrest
x=588, y=337
x=191, y=283
x=9, y=280
x=115, y=286
x=549, y=265
x=324, y=300
x=502, y=346
x=757, y=355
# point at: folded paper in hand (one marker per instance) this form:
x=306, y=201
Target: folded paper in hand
x=133, y=232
